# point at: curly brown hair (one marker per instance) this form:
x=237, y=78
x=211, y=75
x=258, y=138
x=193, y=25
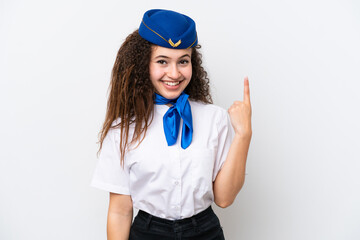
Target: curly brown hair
x=131, y=97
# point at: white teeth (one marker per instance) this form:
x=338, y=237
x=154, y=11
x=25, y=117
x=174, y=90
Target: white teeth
x=172, y=83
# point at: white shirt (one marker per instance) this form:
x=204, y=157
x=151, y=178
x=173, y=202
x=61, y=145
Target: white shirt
x=168, y=181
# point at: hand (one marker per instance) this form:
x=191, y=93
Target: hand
x=240, y=113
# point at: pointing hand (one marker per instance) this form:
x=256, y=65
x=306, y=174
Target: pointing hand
x=240, y=113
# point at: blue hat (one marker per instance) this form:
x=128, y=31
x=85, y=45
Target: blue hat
x=168, y=29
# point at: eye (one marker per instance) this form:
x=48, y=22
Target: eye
x=161, y=62
x=184, y=61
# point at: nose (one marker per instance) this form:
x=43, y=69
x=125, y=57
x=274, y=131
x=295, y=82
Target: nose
x=173, y=72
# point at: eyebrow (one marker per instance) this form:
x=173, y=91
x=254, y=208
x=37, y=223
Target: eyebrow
x=163, y=56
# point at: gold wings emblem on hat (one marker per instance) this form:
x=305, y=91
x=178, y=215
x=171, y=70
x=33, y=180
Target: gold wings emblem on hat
x=169, y=41
x=174, y=44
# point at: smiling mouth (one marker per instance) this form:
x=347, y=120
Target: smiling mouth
x=171, y=83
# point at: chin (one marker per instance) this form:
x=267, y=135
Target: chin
x=172, y=95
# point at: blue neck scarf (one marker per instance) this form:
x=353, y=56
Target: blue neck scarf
x=171, y=120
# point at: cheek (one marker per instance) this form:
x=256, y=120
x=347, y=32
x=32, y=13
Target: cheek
x=155, y=73
x=189, y=72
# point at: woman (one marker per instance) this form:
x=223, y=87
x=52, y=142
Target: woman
x=163, y=143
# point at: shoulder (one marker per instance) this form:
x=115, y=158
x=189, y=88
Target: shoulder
x=207, y=110
x=209, y=116
x=116, y=122
x=210, y=122
x=115, y=131
x=115, y=128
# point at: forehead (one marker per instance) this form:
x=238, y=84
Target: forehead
x=168, y=52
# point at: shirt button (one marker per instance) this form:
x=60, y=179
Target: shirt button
x=176, y=182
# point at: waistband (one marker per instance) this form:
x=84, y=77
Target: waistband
x=196, y=218
x=204, y=220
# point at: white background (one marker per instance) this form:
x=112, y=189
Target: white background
x=302, y=59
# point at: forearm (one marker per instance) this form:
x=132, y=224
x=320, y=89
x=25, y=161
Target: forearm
x=118, y=225
x=231, y=177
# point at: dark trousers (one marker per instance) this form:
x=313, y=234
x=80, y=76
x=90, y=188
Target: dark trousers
x=202, y=226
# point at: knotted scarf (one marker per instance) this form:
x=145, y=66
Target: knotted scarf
x=171, y=120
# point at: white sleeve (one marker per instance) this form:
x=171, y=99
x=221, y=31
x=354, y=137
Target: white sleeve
x=225, y=136
x=109, y=175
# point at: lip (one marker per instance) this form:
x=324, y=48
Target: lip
x=171, y=87
x=171, y=80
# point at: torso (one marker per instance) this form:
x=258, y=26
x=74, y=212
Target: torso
x=168, y=181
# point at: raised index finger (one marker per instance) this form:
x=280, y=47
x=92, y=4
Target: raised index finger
x=246, y=90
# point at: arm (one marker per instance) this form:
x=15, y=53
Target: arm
x=120, y=216
x=231, y=177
